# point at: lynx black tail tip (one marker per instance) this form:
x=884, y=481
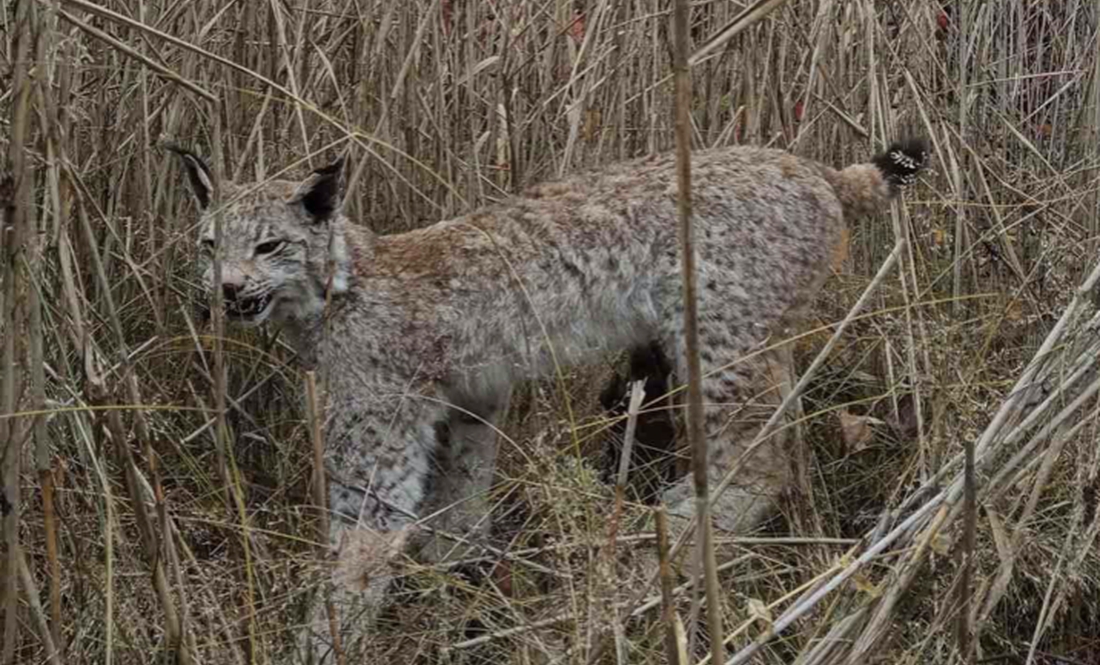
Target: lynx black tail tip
x=902, y=161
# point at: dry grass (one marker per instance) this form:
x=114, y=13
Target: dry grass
x=148, y=531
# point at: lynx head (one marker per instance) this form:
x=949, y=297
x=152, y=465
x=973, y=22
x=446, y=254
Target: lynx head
x=283, y=243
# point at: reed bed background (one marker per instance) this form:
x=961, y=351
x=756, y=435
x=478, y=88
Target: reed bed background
x=138, y=526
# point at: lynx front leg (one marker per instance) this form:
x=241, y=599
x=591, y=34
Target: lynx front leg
x=377, y=467
x=350, y=600
x=737, y=406
x=465, y=461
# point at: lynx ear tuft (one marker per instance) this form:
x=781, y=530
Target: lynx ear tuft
x=320, y=193
x=198, y=174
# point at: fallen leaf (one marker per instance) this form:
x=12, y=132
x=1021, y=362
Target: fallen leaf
x=502, y=576
x=759, y=610
x=865, y=585
x=856, y=429
x=941, y=544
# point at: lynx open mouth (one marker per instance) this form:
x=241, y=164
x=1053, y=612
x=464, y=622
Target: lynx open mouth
x=249, y=310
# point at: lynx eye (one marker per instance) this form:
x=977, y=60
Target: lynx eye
x=270, y=247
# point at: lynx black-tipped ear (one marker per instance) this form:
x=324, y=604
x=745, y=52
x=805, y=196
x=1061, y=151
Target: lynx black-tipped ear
x=198, y=174
x=319, y=194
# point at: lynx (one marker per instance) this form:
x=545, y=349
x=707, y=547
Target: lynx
x=419, y=336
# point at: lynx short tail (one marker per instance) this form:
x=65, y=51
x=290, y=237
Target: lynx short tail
x=865, y=188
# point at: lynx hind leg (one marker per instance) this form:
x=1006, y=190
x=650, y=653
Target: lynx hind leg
x=739, y=401
x=466, y=455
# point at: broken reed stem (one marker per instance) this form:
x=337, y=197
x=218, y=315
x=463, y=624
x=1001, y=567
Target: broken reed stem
x=668, y=601
x=695, y=415
x=38, y=364
x=966, y=653
x=49, y=522
x=320, y=500
x=31, y=591
x=33, y=261
x=637, y=395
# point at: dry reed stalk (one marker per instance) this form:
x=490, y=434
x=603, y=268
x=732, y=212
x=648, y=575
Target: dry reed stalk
x=42, y=449
x=39, y=614
x=16, y=231
x=970, y=526
x=315, y=417
x=227, y=464
x=696, y=435
x=668, y=602
x=746, y=18
x=637, y=394
x=34, y=258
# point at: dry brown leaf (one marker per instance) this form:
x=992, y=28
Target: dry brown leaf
x=865, y=585
x=941, y=544
x=759, y=610
x=856, y=429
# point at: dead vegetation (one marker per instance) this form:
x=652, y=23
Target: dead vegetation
x=149, y=529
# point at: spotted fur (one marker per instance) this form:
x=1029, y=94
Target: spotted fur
x=419, y=336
